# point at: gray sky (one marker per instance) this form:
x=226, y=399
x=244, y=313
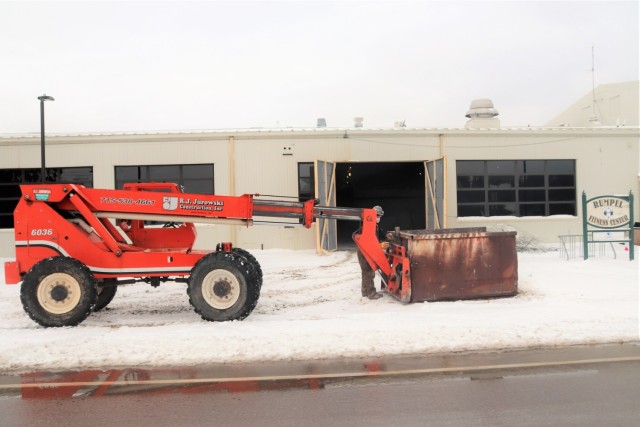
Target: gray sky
x=154, y=66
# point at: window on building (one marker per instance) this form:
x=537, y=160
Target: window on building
x=306, y=181
x=516, y=187
x=10, y=180
x=197, y=178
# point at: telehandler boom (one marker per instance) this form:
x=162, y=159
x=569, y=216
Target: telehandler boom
x=70, y=257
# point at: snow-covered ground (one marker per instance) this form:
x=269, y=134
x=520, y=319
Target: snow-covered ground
x=310, y=308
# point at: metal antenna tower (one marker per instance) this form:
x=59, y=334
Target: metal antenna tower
x=594, y=118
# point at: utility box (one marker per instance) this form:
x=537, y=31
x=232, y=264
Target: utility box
x=461, y=263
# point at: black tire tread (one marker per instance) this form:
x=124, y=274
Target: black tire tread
x=253, y=261
x=105, y=294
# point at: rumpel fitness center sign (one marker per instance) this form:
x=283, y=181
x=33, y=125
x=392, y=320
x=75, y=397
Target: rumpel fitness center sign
x=607, y=213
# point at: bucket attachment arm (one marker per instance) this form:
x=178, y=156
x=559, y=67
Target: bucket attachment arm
x=390, y=260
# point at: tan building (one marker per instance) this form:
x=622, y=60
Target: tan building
x=527, y=178
x=614, y=104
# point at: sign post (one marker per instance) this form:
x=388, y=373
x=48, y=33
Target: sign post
x=605, y=214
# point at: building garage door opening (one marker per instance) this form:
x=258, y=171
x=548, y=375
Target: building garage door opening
x=399, y=188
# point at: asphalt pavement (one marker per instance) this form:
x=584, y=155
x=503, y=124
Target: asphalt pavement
x=313, y=373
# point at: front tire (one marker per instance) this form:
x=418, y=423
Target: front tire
x=253, y=261
x=58, y=291
x=223, y=287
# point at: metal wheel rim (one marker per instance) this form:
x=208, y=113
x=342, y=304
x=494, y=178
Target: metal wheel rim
x=218, y=277
x=49, y=303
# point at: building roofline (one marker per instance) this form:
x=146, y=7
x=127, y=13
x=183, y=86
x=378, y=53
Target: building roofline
x=312, y=133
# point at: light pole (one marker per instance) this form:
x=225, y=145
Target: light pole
x=42, y=98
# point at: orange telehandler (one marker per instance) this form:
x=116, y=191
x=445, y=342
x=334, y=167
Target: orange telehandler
x=75, y=245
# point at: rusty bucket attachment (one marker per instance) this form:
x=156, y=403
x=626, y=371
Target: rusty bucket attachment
x=458, y=263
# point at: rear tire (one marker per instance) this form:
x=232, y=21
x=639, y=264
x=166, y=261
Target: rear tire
x=58, y=291
x=223, y=287
x=106, y=291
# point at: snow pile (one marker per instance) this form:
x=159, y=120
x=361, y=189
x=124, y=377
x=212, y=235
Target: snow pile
x=310, y=308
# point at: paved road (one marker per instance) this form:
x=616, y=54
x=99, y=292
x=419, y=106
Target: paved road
x=592, y=387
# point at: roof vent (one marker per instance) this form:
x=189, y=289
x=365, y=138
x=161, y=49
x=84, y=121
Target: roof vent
x=358, y=122
x=481, y=109
x=322, y=123
x=481, y=114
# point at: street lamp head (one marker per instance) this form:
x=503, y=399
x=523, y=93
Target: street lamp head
x=46, y=97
